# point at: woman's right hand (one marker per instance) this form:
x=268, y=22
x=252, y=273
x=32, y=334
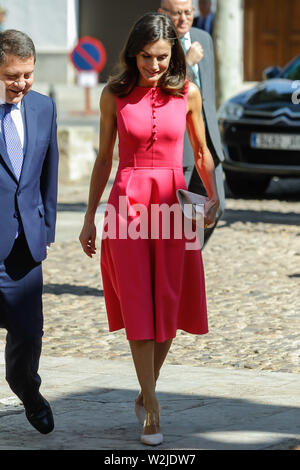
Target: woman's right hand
x=210, y=212
x=87, y=238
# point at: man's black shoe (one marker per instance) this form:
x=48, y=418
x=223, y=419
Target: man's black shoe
x=40, y=416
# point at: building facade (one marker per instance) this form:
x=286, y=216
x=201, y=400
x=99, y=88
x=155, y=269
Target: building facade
x=270, y=34
x=53, y=26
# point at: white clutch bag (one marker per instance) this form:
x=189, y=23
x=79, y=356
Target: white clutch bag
x=192, y=206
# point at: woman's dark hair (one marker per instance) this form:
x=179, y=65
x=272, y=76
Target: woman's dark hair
x=16, y=43
x=149, y=29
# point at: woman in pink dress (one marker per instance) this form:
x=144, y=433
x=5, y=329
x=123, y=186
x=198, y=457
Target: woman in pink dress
x=153, y=284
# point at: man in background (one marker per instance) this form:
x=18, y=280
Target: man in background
x=205, y=20
x=198, y=47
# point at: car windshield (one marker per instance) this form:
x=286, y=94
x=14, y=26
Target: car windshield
x=292, y=70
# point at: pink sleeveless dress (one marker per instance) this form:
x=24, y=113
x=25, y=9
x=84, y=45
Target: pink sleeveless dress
x=152, y=284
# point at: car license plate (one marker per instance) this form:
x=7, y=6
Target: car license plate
x=275, y=141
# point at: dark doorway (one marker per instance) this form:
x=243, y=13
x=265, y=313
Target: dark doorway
x=110, y=22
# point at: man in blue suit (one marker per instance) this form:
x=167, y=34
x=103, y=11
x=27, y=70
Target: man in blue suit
x=205, y=20
x=28, y=196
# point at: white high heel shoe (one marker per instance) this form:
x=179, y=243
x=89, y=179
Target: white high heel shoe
x=152, y=439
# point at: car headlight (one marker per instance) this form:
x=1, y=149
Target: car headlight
x=231, y=111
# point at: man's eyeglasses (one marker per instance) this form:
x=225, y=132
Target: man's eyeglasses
x=177, y=14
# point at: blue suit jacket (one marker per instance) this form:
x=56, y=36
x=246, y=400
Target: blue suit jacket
x=31, y=200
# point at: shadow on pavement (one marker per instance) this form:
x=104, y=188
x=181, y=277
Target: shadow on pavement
x=60, y=289
x=70, y=207
x=231, y=216
x=103, y=418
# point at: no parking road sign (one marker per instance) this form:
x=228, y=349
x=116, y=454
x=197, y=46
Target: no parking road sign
x=89, y=55
x=89, y=58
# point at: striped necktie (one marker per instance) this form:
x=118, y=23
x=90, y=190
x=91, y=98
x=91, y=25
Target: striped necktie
x=12, y=140
x=196, y=77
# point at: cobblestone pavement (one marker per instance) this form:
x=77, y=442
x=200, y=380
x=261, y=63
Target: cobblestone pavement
x=252, y=266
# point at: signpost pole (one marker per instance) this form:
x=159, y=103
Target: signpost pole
x=88, y=108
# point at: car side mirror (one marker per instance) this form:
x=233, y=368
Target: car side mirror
x=271, y=72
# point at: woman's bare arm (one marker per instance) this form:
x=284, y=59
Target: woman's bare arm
x=203, y=160
x=101, y=170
